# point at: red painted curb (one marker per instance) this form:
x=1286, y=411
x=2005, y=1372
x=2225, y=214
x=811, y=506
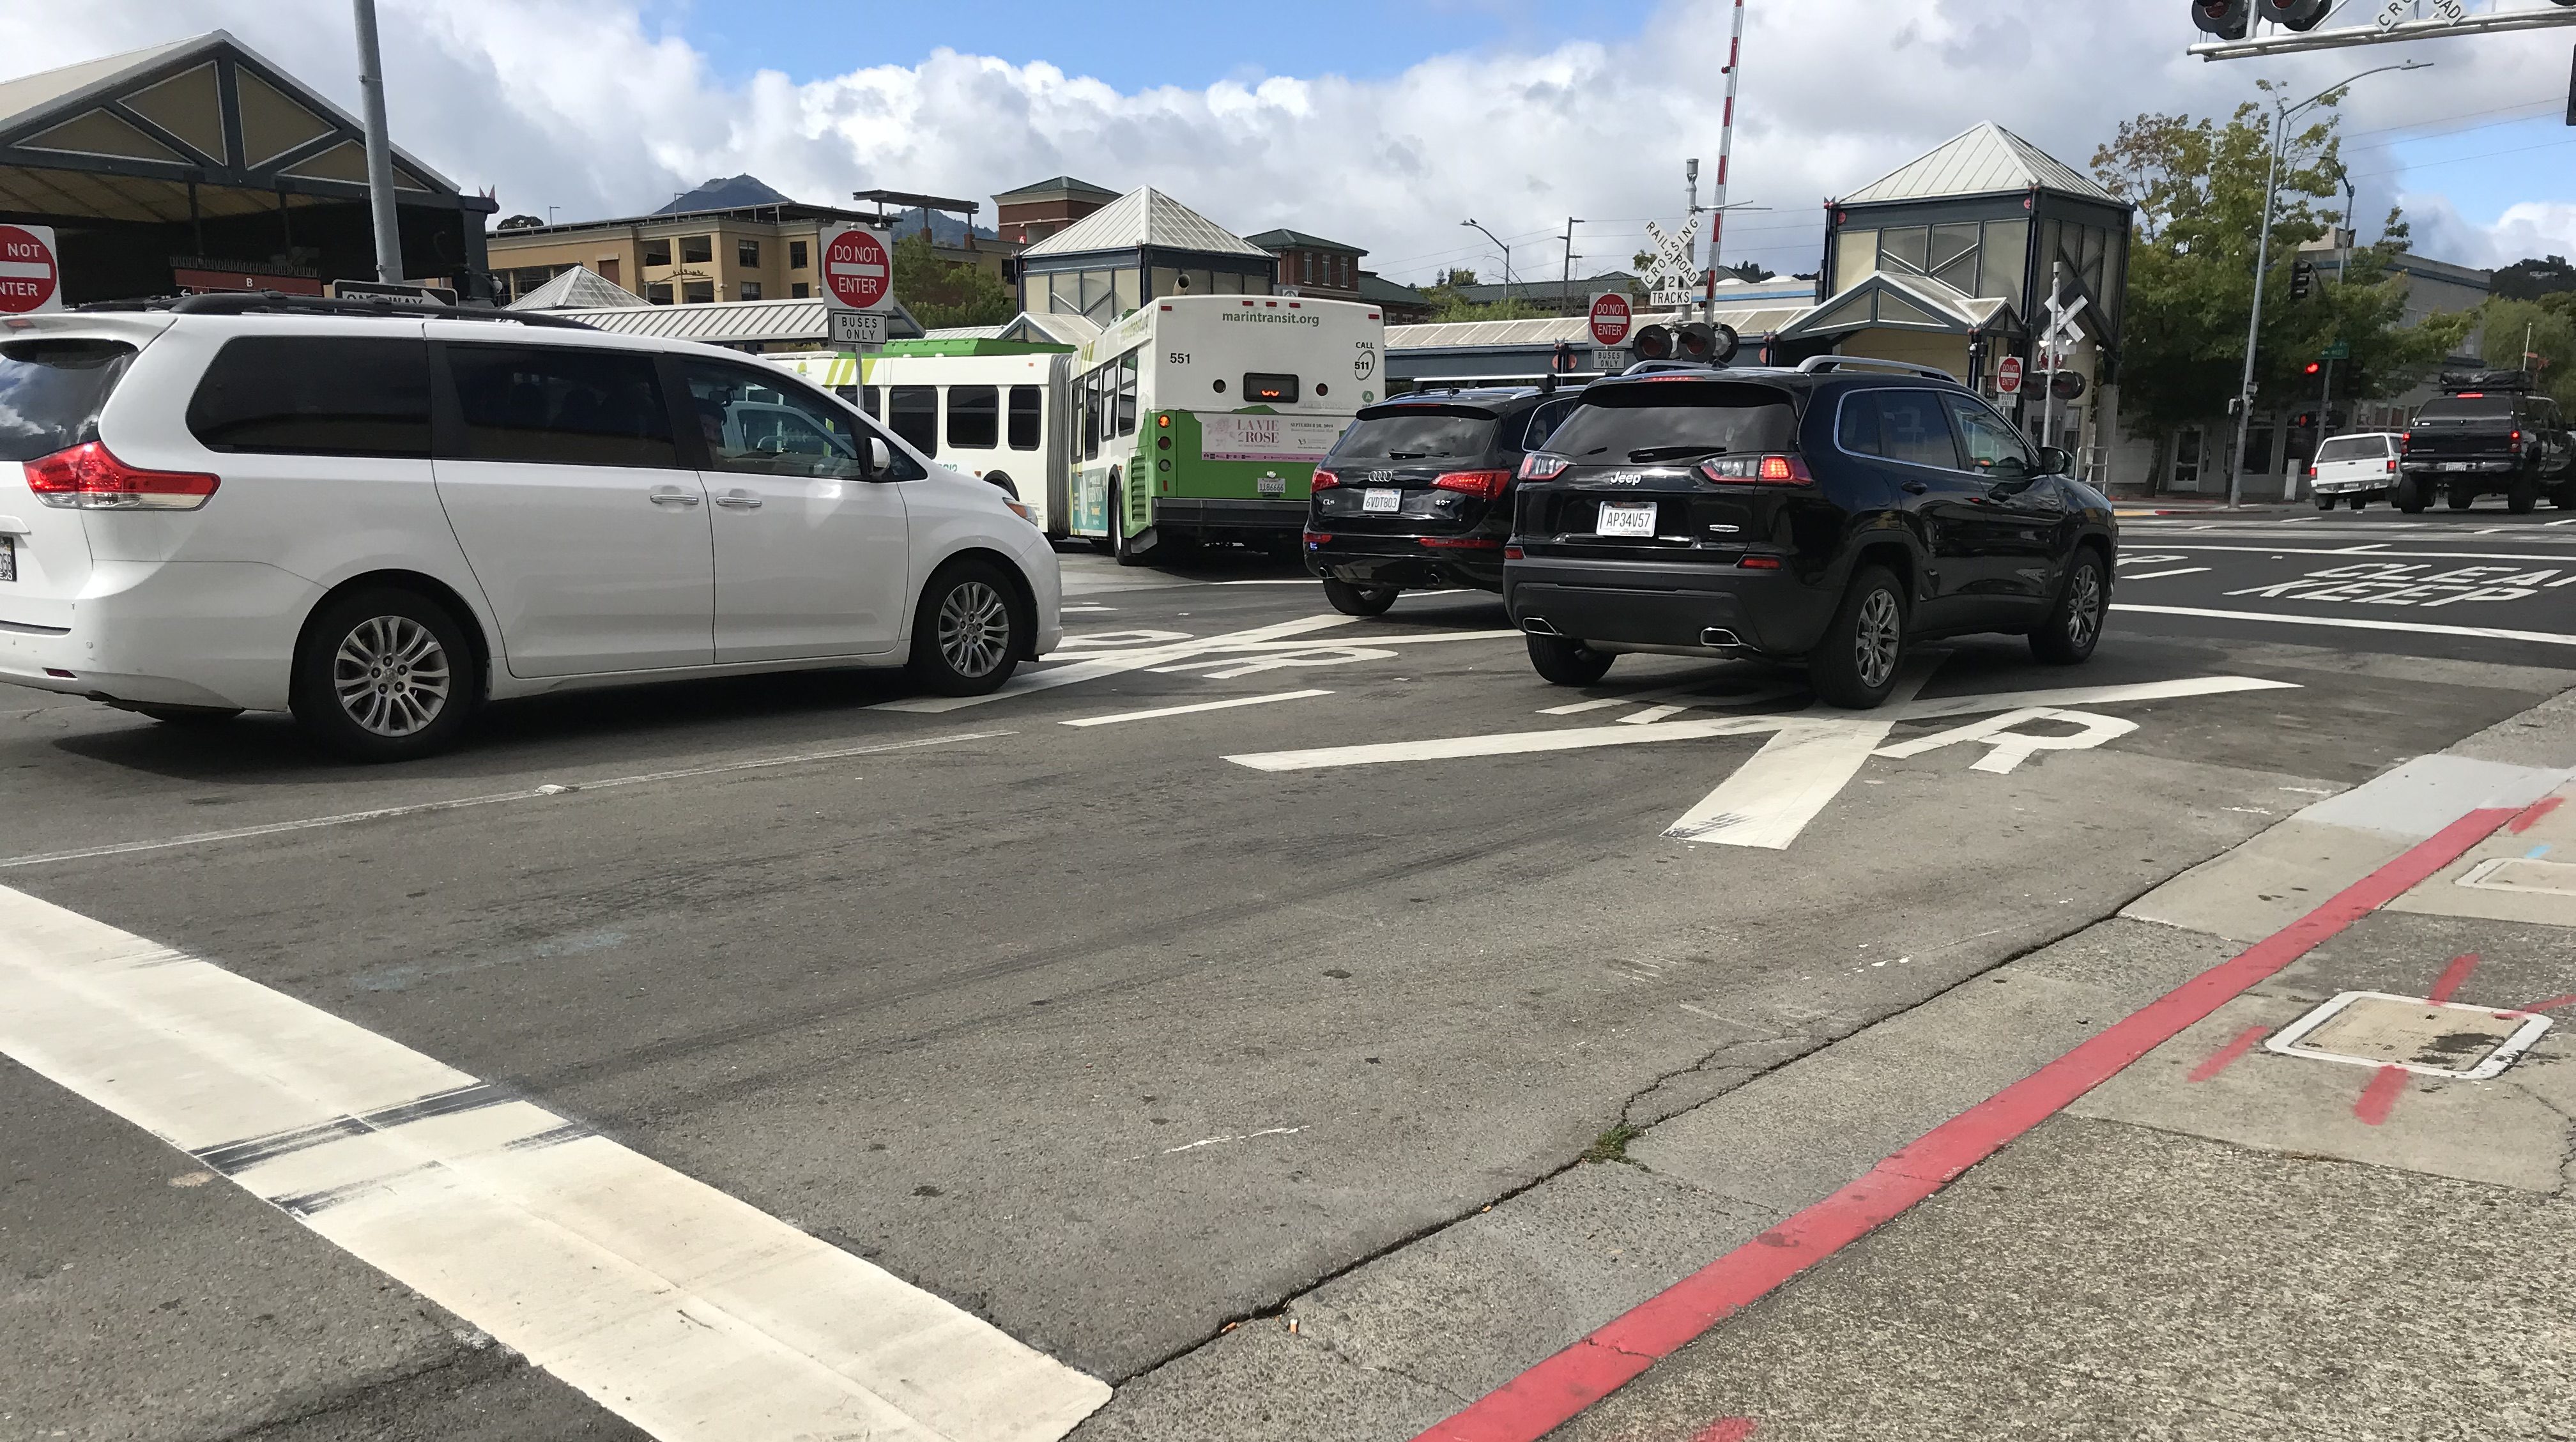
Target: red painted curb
x=1544, y=1397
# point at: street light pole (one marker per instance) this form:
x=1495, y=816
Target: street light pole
x=1498, y=243
x=380, y=150
x=2263, y=264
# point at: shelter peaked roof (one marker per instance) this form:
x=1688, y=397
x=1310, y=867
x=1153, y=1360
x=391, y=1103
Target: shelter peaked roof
x=1145, y=216
x=29, y=91
x=579, y=288
x=1982, y=160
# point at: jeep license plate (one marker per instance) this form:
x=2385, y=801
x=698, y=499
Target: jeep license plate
x=1381, y=502
x=1625, y=518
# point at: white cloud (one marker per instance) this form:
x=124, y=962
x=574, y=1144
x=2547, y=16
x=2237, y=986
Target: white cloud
x=578, y=105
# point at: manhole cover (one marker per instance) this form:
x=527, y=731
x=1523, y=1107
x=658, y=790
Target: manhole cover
x=2522, y=873
x=2432, y=1038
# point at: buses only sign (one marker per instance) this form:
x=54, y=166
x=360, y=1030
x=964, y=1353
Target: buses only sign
x=29, y=275
x=858, y=272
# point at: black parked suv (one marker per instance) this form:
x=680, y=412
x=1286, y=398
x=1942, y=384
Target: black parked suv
x=2487, y=433
x=1831, y=514
x=1417, y=493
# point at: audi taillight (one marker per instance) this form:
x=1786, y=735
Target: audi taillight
x=90, y=478
x=1484, y=485
x=1540, y=466
x=1756, y=470
x=1326, y=480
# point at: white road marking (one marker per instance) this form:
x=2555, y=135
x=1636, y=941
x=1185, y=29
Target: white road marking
x=1224, y=705
x=2160, y=575
x=692, y=1315
x=1070, y=610
x=2423, y=628
x=1092, y=668
x=2375, y=553
x=423, y=808
x=1769, y=799
x=2010, y=747
x=1299, y=581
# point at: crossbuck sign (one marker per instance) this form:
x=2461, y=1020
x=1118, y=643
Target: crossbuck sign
x=1674, y=275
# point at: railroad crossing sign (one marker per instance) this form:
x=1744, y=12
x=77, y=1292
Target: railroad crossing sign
x=2063, y=333
x=2008, y=376
x=857, y=271
x=29, y=276
x=1610, y=319
x=1674, y=276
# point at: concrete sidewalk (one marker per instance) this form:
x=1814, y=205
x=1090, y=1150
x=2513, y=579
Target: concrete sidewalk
x=2225, y=1240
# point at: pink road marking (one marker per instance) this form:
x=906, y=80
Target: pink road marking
x=2380, y=1097
x=1539, y=1400
x=2552, y=1004
x=2225, y=1057
x=1725, y=1429
x=2531, y=814
x=2452, y=976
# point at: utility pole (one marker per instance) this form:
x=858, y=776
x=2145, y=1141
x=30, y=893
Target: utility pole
x=380, y=151
x=1565, y=278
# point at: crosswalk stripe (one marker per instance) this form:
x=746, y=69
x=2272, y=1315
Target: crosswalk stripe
x=693, y=1315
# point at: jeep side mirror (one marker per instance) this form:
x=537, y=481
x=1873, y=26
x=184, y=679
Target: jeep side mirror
x=2056, y=462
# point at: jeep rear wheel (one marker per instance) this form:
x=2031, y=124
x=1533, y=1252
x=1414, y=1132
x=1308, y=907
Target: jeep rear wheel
x=1567, y=661
x=1855, y=665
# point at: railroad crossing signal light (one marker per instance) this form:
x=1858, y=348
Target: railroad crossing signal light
x=2302, y=14
x=2226, y=19
x=2303, y=279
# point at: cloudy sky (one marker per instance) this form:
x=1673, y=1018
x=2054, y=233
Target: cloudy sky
x=1384, y=123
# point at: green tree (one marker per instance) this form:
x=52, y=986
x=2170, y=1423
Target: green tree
x=942, y=293
x=2533, y=335
x=2198, y=187
x=1449, y=305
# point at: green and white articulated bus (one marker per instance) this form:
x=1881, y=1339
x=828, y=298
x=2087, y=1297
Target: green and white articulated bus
x=1193, y=419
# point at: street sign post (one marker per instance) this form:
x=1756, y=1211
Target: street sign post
x=30, y=277
x=855, y=329
x=1610, y=319
x=858, y=272
x=392, y=292
x=2008, y=376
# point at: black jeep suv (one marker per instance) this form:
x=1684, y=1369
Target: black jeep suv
x=1417, y=493
x=1831, y=514
x=2487, y=433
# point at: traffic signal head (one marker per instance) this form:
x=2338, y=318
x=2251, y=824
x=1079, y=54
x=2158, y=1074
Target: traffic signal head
x=2294, y=14
x=2314, y=367
x=2226, y=19
x=1653, y=342
x=2303, y=279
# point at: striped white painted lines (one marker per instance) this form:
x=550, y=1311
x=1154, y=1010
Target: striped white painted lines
x=1090, y=667
x=528, y=793
x=1811, y=757
x=2353, y=623
x=692, y=1315
x=1159, y=712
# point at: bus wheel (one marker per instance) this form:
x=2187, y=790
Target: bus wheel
x=1122, y=545
x=1353, y=600
x=997, y=478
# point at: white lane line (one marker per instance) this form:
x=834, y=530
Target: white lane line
x=1299, y=581
x=692, y=1315
x=1070, y=610
x=1795, y=776
x=1092, y=668
x=1225, y=705
x=2421, y=628
x=2276, y=552
x=423, y=808
x=2160, y=575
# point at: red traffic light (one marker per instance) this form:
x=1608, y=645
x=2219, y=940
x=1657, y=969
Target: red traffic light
x=2315, y=366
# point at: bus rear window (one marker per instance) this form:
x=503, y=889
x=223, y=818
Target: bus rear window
x=1418, y=437
x=1672, y=420
x=1265, y=386
x=51, y=392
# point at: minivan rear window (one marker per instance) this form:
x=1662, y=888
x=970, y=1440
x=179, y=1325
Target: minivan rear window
x=1673, y=420
x=1419, y=435
x=2467, y=408
x=315, y=396
x=51, y=392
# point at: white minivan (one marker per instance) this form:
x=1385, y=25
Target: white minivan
x=379, y=520
x=2355, y=468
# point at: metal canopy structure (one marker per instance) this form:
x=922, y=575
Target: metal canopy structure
x=1891, y=301
x=207, y=142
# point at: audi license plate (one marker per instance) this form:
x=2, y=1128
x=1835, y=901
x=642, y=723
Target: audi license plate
x=8, y=558
x=1625, y=518
x=1381, y=502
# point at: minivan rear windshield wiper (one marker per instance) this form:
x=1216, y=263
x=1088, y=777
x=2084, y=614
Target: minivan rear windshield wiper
x=1673, y=453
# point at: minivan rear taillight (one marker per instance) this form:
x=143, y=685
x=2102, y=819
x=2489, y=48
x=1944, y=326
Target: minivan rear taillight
x=1483, y=484
x=1756, y=470
x=90, y=478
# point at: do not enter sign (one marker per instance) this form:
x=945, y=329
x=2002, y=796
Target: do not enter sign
x=28, y=273
x=1610, y=318
x=857, y=272
x=2008, y=376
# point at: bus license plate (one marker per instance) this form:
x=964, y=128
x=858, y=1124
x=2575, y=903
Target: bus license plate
x=1625, y=518
x=8, y=558
x=1381, y=502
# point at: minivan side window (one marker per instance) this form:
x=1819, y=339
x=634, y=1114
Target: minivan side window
x=755, y=425
x=1914, y=427
x=561, y=405
x=315, y=396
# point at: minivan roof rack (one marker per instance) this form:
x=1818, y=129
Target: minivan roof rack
x=278, y=302
x=1819, y=364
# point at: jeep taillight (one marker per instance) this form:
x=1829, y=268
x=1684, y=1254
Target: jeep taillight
x=90, y=478
x=1540, y=466
x=1756, y=470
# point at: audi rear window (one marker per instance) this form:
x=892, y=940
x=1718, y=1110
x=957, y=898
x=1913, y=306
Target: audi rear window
x=1674, y=420
x=1419, y=435
x=51, y=392
x=2462, y=409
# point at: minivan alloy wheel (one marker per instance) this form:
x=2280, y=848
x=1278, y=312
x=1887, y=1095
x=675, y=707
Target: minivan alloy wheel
x=974, y=628
x=1876, y=639
x=392, y=676
x=2083, y=607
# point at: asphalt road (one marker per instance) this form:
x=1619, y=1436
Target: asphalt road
x=1112, y=1016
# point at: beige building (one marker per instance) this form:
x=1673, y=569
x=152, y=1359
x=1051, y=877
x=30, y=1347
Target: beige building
x=766, y=252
